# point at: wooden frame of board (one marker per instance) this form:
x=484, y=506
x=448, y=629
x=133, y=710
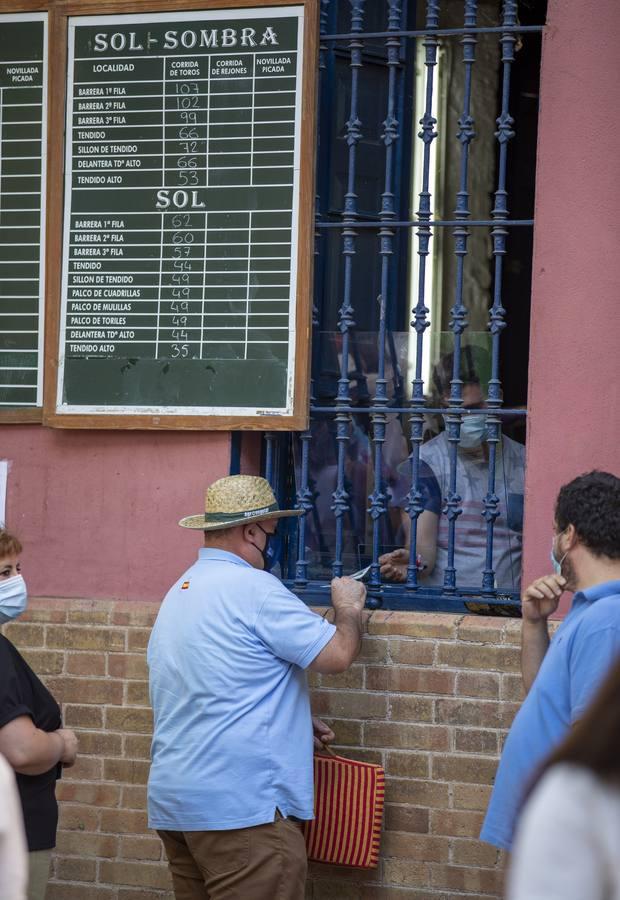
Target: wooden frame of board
x=29, y=414
x=297, y=417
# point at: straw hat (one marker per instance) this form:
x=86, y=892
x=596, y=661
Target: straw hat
x=236, y=500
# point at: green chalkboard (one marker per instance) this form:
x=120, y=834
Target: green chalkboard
x=23, y=114
x=180, y=293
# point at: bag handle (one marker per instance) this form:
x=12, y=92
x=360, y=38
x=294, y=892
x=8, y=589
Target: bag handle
x=327, y=749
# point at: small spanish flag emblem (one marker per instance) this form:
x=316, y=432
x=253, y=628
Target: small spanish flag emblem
x=185, y=585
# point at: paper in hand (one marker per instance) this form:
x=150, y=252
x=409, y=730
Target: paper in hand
x=360, y=574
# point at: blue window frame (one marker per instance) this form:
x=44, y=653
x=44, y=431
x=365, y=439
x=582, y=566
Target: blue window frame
x=422, y=276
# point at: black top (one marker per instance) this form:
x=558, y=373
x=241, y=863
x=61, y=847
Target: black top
x=23, y=694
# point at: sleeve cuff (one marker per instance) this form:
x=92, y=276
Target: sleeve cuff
x=15, y=713
x=314, y=649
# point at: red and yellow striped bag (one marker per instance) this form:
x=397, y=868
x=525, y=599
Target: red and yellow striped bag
x=348, y=809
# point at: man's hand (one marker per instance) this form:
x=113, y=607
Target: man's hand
x=70, y=745
x=322, y=734
x=394, y=565
x=347, y=593
x=348, y=598
x=540, y=599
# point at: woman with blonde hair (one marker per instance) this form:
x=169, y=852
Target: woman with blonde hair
x=568, y=839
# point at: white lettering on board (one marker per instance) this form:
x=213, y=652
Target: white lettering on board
x=179, y=199
x=224, y=37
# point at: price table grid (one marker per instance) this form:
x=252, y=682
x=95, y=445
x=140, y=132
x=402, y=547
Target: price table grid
x=23, y=113
x=181, y=226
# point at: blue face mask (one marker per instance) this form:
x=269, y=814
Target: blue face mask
x=555, y=562
x=272, y=550
x=473, y=431
x=13, y=598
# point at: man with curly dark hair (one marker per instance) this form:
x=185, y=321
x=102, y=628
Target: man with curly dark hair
x=560, y=676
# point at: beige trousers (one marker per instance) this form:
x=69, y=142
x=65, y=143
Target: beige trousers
x=267, y=862
x=38, y=873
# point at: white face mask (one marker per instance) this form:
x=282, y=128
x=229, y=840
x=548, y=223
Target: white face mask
x=13, y=598
x=473, y=430
x=555, y=562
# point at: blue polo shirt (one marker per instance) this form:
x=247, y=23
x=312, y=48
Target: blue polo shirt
x=580, y=654
x=232, y=735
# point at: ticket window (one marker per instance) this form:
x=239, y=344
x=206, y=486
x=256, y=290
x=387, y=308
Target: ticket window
x=400, y=346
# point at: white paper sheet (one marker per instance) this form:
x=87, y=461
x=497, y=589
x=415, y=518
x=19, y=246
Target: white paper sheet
x=4, y=470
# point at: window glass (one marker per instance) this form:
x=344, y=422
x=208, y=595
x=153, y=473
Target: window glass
x=429, y=466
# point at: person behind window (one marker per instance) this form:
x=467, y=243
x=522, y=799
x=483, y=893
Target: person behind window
x=327, y=452
x=13, y=855
x=472, y=475
x=31, y=738
x=568, y=837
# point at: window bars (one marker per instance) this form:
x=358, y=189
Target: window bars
x=359, y=417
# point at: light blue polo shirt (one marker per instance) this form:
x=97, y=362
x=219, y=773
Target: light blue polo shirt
x=232, y=733
x=579, y=656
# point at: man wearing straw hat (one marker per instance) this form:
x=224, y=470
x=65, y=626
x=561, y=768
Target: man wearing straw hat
x=231, y=769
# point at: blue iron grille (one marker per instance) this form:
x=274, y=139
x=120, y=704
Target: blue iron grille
x=408, y=449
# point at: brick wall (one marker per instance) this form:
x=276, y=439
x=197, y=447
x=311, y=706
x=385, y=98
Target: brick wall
x=430, y=697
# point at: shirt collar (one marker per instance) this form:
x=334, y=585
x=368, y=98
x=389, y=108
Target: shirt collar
x=589, y=595
x=215, y=553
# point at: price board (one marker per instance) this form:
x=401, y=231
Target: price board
x=23, y=117
x=187, y=220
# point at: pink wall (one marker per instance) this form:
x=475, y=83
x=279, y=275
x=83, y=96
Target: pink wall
x=98, y=511
x=574, y=422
